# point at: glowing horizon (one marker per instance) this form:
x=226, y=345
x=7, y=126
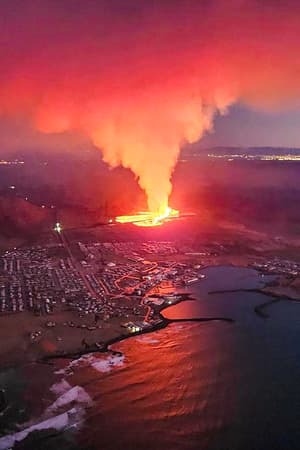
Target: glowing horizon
x=148, y=218
x=140, y=82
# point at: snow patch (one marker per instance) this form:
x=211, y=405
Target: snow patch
x=75, y=394
x=57, y=415
x=54, y=416
x=60, y=388
x=58, y=422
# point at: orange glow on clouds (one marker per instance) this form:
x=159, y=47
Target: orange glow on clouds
x=141, y=79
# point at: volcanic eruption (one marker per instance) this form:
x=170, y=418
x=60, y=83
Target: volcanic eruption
x=149, y=219
x=141, y=79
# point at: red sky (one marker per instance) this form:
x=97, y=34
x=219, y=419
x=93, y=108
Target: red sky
x=142, y=78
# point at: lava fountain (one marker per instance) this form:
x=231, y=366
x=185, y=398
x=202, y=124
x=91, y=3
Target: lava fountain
x=149, y=218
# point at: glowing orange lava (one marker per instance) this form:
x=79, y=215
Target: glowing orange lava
x=149, y=219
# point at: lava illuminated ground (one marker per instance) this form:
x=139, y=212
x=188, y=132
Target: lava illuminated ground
x=149, y=219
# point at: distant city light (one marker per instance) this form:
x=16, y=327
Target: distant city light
x=4, y=162
x=58, y=227
x=275, y=157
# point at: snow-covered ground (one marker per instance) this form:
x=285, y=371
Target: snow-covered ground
x=68, y=410
x=65, y=412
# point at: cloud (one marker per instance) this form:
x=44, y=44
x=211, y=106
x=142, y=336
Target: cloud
x=141, y=79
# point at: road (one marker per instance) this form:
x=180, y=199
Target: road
x=134, y=277
x=63, y=240
x=116, y=282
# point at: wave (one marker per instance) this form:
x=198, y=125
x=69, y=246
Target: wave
x=101, y=363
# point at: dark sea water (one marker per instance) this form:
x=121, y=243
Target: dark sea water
x=215, y=385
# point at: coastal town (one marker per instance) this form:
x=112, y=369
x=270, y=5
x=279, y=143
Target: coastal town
x=106, y=283
x=94, y=290
x=37, y=280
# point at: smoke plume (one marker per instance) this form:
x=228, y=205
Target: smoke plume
x=142, y=78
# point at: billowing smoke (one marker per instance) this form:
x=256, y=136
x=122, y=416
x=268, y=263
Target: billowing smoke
x=142, y=78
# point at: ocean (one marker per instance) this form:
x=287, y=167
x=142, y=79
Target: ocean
x=214, y=385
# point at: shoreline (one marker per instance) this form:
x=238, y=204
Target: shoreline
x=260, y=309
x=108, y=334
x=164, y=322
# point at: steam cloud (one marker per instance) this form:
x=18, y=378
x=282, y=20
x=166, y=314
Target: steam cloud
x=143, y=78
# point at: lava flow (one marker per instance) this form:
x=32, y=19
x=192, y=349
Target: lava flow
x=149, y=219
